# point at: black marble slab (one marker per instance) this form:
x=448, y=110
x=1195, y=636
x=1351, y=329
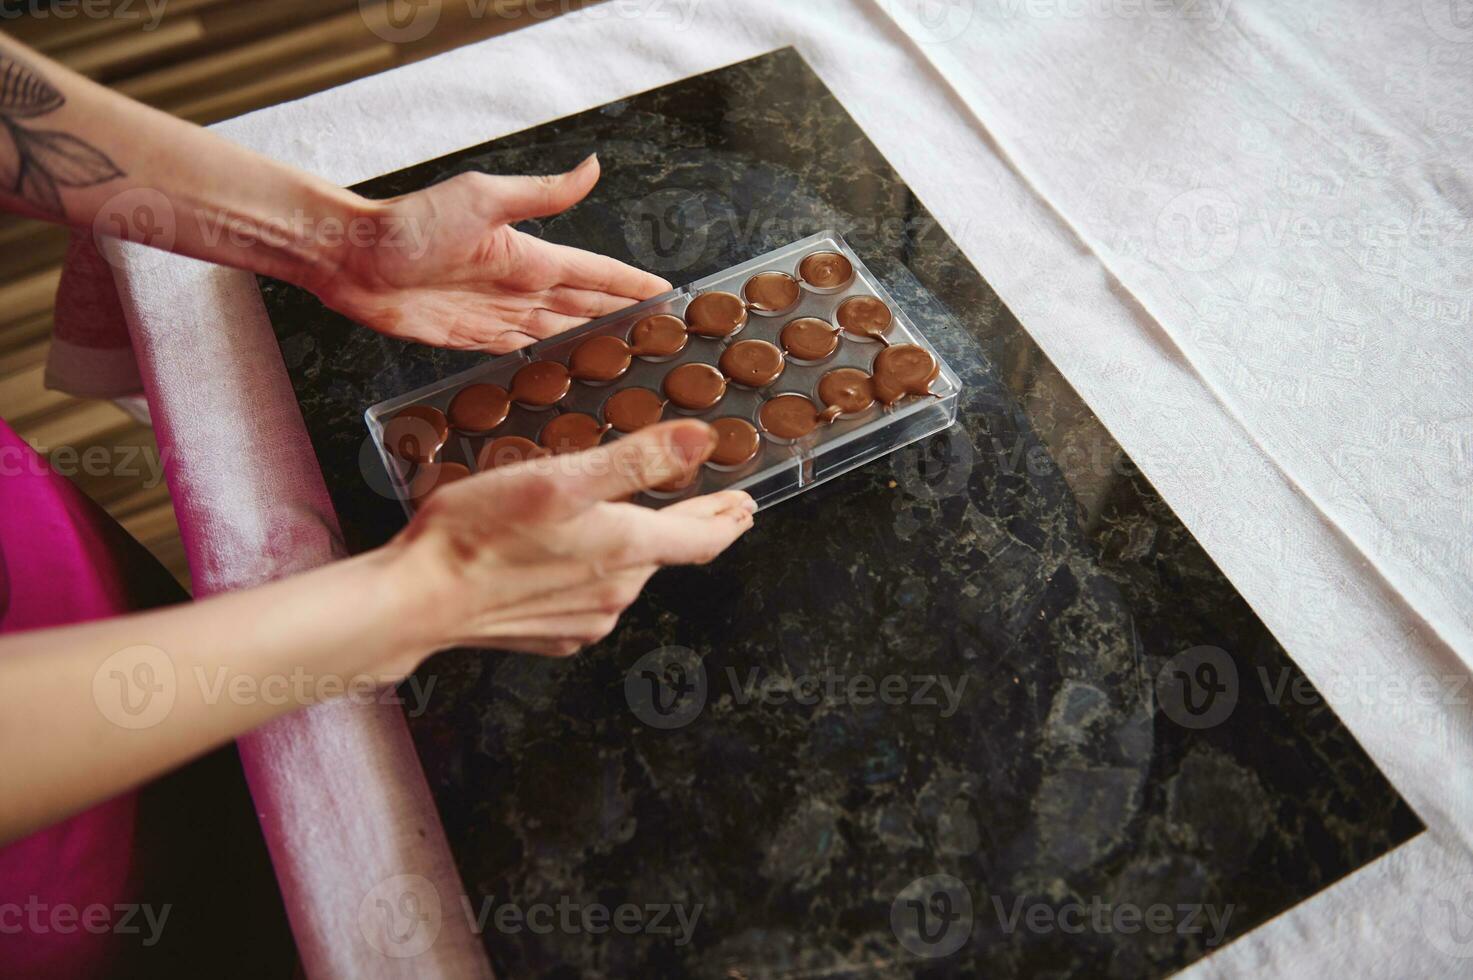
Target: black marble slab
x=1015, y=721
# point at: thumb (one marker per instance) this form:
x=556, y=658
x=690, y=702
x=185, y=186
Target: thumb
x=519, y=198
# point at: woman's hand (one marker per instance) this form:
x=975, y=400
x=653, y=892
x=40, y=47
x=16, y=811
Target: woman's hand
x=539, y=557
x=444, y=266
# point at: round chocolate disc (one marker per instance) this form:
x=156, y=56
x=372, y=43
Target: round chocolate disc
x=754, y=363
x=416, y=433
x=716, y=314
x=846, y=391
x=661, y=335
x=826, y=270
x=540, y=384
x=600, y=360
x=771, y=292
x=904, y=369
x=479, y=408
x=809, y=339
x=737, y=441
x=432, y=476
x=695, y=387
x=507, y=451
x=789, y=416
x=632, y=409
x=572, y=432
x=865, y=316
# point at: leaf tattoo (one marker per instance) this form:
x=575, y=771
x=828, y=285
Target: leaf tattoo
x=44, y=159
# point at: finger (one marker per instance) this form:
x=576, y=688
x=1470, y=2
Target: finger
x=519, y=198
x=557, y=488
x=535, y=645
x=640, y=536
x=612, y=593
x=584, y=628
x=587, y=303
x=546, y=323
x=588, y=270
x=712, y=504
x=508, y=341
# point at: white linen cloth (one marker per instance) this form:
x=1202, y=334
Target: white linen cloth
x=1303, y=406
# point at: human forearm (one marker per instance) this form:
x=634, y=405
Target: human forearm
x=92, y=710
x=75, y=152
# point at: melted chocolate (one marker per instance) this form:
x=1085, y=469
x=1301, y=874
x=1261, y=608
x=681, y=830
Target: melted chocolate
x=600, y=360
x=416, y=433
x=789, y=416
x=479, y=408
x=904, y=369
x=809, y=339
x=540, y=384
x=754, y=363
x=771, y=292
x=737, y=441
x=695, y=387
x=632, y=409
x=826, y=270
x=661, y=335
x=865, y=316
x=432, y=476
x=506, y=451
x=716, y=314
x=572, y=432
x=846, y=391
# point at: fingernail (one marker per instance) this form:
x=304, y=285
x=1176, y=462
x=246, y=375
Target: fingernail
x=748, y=504
x=693, y=443
x=586, y=161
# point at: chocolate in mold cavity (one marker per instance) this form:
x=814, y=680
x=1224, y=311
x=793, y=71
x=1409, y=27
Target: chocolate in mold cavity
x=416, y=433
x=905, y=369
x=540, y=384
x=771, y=292
x=432, y=476
x=789, y=416
x=866, y=316
x=695, y=386
x=826, y=270
x=753, y=363
x=600, y=360
x=572, y=432
x=632, y=409
x=661, y=335
x=737, y=442
x=809, y=339
x=507, y=451
x=845, y=391
x=479, y=408
x=716, y=314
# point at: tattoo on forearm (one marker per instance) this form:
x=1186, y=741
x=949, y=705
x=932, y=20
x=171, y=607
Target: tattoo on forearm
x=39, y=161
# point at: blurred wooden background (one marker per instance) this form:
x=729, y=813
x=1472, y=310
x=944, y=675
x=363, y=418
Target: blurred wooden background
x=202, y=60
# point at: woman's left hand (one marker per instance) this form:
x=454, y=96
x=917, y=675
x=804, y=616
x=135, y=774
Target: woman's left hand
x=444, y=266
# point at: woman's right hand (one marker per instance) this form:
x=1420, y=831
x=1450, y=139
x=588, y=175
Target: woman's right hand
x=542, y=557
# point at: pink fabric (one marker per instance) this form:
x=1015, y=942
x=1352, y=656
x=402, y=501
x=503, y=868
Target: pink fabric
x=62, y=560
x=91, y=354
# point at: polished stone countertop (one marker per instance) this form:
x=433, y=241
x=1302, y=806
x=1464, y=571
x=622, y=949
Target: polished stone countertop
x=983, y=707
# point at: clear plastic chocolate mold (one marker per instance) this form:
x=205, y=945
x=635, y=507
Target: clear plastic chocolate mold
x=779, y=468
